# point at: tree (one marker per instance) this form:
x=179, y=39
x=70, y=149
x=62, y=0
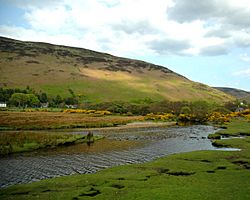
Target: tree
x=71, y=92
x=23, y=100
x=200, y=109
x=162, y=106
x=57, y=100
x=43, y=98
x=232, y=106
x=73, y=99
x=70, y=101
x=32, y=100
x=185, y=110
x=19, y=99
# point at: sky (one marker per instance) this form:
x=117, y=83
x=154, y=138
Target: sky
x=207, y=41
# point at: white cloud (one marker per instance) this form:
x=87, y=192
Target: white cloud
x=168, y=46
x=245, y=57
x=47, y=19
x=34, y=4
x=214, y=50
x=244, y=73
x=128, y=27
x=233, y=12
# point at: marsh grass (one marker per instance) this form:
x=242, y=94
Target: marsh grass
x=237, y=127
x=59, y=120
x=16, y=142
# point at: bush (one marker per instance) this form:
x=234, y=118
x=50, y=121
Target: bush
x=98, y=113
x=218, y=118
x=187, y=118
x=185, y=110
x=162, y=117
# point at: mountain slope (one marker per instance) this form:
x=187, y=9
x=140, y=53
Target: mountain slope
x=95, y=76
x=239, y=94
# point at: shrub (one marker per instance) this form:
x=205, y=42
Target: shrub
x=218, y=118
x=185, y=110
x=100, y=112
x=162, y=117
x=187, y=118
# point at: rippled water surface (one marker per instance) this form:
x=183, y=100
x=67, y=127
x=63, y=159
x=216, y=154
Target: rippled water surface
x=119, y=147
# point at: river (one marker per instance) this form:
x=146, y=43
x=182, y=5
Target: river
x=118, y=148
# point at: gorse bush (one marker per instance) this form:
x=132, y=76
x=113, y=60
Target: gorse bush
x=162, y=117
x=218, y=118
x=213, y=117
x=187, y=118
x=96, y=112
x=245, y=112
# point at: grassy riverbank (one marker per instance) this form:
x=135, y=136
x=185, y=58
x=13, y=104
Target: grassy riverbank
x=194, y=175
x=17, y=142
x=59, y=120
x=235, y=128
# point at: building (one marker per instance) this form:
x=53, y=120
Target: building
x=3, y=105
x=44, y=105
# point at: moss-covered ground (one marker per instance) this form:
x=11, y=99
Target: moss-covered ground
x=17, y=142
x=194, y=175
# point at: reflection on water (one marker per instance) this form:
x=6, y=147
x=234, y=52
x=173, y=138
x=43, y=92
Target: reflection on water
x=100, y=146
x=228, y=149
x=119, y=147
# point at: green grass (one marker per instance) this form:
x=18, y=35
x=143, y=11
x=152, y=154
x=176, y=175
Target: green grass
x=101, y=90
x=237, y=127
x=205, y=175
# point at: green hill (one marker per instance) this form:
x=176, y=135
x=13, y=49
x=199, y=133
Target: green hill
x=239, y=94
x=95, y=76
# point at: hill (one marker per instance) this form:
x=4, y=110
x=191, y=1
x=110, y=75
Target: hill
x=95, y=76
x=237, y=93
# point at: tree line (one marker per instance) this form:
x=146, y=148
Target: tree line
x=28, y=97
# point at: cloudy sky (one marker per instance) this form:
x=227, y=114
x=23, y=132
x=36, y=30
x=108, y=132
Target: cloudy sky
x=205, y=40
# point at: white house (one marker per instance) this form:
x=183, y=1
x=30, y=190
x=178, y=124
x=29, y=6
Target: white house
x=3, y=105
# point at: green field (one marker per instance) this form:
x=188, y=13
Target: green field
x=194, y=175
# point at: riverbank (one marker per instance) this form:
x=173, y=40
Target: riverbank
x=18, y=142
x=133, y=126
x=117, y=148
x=13, y=139
x=193, y=175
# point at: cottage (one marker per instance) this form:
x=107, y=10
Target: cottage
x=71, y=106
x=44, y=105
x=239, y=109
x=3, y=105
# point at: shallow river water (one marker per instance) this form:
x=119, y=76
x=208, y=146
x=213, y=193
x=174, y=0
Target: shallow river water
x=118, y=148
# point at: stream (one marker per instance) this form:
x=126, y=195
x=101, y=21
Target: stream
x=118, y=148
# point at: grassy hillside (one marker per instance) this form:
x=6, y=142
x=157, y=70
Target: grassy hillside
x=239, y=94
x=95, y=76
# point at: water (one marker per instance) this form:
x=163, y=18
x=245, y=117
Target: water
x=118, y=148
